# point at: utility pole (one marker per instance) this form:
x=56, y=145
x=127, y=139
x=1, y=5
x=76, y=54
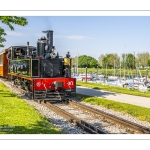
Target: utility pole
x=133, y=61
x=124, y=60
x=77, y=62
x=106, y=69
x=114, y=67
x=124, y=64
x=86, y=74
x=120, y=67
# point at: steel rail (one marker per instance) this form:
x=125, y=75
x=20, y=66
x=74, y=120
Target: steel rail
x=122, y=121
x=80, y=123
x=119, y=120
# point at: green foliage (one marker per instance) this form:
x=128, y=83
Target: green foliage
x=84, y=61
x=9, y=20
x=18, y=117
x=100, y=60
x=87, y=61
x=140, y=113
x=148, y=62
x=14, y=20
x=109, y=60
x=130, y=61
x=125, y=60
x=2, y=32
x=142, y=59
x=112, y=60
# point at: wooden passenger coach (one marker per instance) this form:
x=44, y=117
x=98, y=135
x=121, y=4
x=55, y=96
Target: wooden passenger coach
x=3, y=64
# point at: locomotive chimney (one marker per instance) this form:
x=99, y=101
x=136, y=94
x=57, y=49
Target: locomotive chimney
x=27, y=48
x=49, y=39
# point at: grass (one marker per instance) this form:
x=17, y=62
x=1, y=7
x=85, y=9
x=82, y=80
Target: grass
x=114, y=89
x=18, y=117
x=140, y=113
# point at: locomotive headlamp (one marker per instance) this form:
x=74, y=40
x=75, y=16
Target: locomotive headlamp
x=57, y=84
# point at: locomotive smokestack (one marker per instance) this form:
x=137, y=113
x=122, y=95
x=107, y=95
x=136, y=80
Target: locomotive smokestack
x=49, y=39
x=27, y=48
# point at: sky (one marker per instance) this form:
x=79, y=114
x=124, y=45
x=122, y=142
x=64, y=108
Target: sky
x=85, y=35
x=121, y=29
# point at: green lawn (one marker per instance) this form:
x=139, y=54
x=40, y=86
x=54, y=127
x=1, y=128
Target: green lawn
x=18, y=117
x=140, y=113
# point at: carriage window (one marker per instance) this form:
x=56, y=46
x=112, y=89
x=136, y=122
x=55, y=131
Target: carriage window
x=1, y=59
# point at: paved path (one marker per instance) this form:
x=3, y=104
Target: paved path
x=135, y=100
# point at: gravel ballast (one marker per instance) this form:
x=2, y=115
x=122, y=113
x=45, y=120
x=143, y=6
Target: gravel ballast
x=63, y=124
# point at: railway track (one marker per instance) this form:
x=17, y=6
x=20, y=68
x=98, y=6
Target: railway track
x=71, y=118
x=88, y=127
x=114, y=118
x=127, y=126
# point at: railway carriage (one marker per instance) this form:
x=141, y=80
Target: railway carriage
x=42, y=73
x=3, y=64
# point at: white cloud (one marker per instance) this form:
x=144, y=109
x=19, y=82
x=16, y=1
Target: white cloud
x=77, y=37
x=73, y=37
x=13, y=33
x=24, y=28
x=39, y=35
x=58, y=36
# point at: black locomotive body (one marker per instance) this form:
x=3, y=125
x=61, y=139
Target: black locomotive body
x=40, y=71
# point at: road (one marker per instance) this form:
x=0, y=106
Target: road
x=124, y=98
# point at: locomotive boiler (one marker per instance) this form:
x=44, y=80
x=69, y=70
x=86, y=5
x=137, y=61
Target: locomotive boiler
x=41, y=72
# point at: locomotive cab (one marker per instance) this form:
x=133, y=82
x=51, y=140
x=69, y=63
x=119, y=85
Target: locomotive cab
x=17, y=52
x=40, y=70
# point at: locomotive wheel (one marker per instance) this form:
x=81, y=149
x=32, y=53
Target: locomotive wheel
x=29, y=94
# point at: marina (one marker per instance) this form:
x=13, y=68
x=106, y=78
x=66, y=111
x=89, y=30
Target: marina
x=138, y=83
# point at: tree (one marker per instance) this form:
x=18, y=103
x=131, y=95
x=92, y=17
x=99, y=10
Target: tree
x=123, y=58
x=2, y=32
x=148, y=62
x=142, y=59
x=9, y=20
x=83, y=61
x=110, y=60
x=93, y=63
x=87, y=61
x=100, y=60
x=130, y=61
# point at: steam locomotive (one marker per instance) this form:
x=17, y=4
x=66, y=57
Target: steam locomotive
x=41, y=72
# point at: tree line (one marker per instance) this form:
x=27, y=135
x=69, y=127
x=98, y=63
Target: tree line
x=113, y=60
